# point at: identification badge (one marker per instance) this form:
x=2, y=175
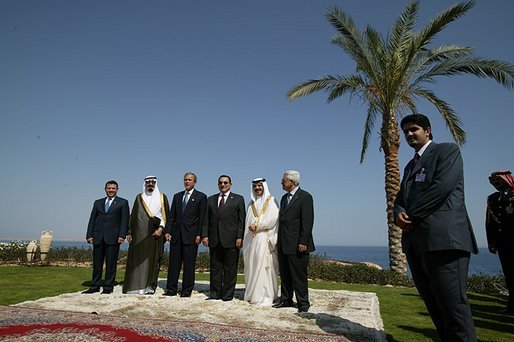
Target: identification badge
x=420, y=177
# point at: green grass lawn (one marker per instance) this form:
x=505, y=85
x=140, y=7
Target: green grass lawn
x=403, y=312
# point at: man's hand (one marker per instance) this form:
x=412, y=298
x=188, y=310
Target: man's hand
x=157, y=233
x=120, y=240
x=302, y=248
x=239, y=243
x=198, y=239
x=168, y=237
x=205, y=241
x=129, y=238
x=403, y=221
x=90, y=240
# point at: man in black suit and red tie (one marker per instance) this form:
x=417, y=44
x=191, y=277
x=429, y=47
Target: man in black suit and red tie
x=223, y=230
x=437, y=234
x=184, y=230
x=107, y=229
x=295, y=242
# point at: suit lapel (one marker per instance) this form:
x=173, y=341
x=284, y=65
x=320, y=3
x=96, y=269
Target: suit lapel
x=410, y=171
x=214, y=204
x=293, y=199
x=102, y=205
x=181, y=199
x=283, y=203
x=422, y=160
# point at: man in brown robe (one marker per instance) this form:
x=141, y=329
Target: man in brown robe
x=146, y=239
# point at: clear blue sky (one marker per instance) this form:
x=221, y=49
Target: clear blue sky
x=99, y=90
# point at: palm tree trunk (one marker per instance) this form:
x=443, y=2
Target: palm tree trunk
x=390, y=143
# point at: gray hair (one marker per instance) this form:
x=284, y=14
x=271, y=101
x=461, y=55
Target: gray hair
x=293, y=175
x=190, y=174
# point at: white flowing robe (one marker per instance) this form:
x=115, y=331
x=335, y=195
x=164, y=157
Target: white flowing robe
x=259, y=253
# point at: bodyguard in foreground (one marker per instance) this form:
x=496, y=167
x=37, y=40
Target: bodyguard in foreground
x=437, y=234
x=107, y=230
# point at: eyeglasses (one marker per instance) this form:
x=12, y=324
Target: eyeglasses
x=222, y=183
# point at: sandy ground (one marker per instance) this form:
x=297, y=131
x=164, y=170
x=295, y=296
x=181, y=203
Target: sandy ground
x=355, y=315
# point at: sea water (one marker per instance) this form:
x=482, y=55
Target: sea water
x=482, y=263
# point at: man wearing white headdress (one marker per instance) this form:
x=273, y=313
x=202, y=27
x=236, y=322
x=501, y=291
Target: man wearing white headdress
x=259, y=251
x=146, y=239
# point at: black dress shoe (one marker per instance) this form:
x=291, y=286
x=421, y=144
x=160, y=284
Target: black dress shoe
x=106, y=291
x=227, y=299
x=169, y=293
x=212, y=298
x=303, y=309
x=283, y=304
x=185, y=295
x=91, y=290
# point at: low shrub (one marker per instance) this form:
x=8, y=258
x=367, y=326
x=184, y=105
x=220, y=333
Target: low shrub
x=14, y=251
x=486, y=284
x=202, y=262
x=70, y=255
x=320, y=267
x=323, y=269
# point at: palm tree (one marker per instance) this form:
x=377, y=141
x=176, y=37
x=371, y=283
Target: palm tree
x=391, y=73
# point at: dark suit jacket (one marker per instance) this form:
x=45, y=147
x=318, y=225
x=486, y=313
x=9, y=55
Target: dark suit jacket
x=106, y=227
x=227, y=226
x=432, y=195
x=499, y=223
x=295, y=223
x=187, y=223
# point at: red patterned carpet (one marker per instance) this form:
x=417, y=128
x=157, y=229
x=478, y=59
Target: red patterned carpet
x=29, y=324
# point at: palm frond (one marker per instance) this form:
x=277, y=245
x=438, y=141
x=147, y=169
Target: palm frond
x=349, y=37
x=354, y=84
x=402, y=29
x=368, y=129
x=335, y=86
x=449, y=116
x=437, y=24
x=376, y=52
x=351, y=41
x=502, y=72
x=426, y=59
x=445, y=52
x=310, y=86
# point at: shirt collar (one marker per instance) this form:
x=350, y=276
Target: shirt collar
x=421, y=150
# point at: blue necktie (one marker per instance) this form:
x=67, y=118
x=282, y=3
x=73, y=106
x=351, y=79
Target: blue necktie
x=184, y=202
x=107, y=204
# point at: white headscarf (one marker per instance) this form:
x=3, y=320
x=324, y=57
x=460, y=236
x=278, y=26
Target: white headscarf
x=266, y=221
x=152, y=199
x=259, y=201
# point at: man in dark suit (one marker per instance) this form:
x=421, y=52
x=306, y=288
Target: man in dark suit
x=183, y=231
x=437, y=234
x=295, y=242
x=223, y=229
x=107, y=230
